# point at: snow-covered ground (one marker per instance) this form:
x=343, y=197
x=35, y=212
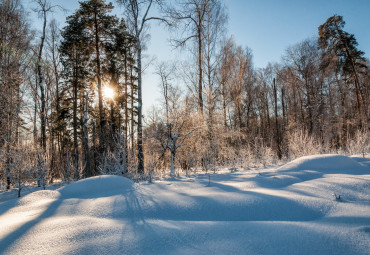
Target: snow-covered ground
x=292, y=209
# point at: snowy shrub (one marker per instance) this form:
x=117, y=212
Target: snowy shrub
x=188, y=160
x=262, y=154
x=24, y=167
x=360, y=143
x=301, y=144
x=111, y=163
x=244, y=159
x=21, y=165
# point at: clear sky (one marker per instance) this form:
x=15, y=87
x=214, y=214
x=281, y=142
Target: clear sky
x=267, y=27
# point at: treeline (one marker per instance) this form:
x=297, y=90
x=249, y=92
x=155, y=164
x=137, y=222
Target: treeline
x=71, y=104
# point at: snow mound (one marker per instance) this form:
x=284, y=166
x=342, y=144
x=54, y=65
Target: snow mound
x=39, y=196
x=99, y=186
x=328, y=163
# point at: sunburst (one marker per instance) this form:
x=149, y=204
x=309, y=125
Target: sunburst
x=108, y=93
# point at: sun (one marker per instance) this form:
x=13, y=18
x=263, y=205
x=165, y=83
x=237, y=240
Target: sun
x=108, y=93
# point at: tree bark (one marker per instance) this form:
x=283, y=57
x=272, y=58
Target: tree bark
x=88, y=172
x=277, y=134
x=41, y=85
x=200, y=85
x=75, y=141
x=140, y=152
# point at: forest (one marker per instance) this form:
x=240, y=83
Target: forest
x=71, y=103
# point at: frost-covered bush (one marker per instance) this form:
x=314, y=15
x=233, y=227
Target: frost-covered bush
x=42, y=167
x=301, y=144
x=22, y=166
x=360, y=143
x=111, y=163
x=263, y=155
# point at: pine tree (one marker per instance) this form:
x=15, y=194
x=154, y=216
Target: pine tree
x=96, y=49
x=335, y=41
x=75, y=58
x=97, y=23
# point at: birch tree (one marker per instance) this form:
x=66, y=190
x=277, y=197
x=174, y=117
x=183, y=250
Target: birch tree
x=137, y=17
x=189, y=18
x=44, y=7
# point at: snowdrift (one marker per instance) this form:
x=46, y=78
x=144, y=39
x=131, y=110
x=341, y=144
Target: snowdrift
x=313, y=168
x=328, y=163
x=97, y=186
x=288, y=210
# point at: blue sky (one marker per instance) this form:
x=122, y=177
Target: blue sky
x=267, y=27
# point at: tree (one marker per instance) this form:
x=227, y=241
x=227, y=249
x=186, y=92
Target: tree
x=197, y=20
x=335, y=41
x=55, y=134
x=43, y=9
x=96, y=21
x=171, y=136
x=173, y=131
x=75, y=58
x=137, y=16
x=165, y=73
x=226, y=59
x=97, y=49
x=15, y=40
x=214, y=25
x=241, y=90
x=304, y=61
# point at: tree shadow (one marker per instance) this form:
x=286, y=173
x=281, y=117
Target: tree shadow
x=7, y=241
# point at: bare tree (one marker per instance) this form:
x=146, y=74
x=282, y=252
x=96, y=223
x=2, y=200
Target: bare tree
x=224, y=78
x=171, y=136
x=43, y=9
x=14, y=45
x=191, y=18
x=165, y=72
x=137, y=17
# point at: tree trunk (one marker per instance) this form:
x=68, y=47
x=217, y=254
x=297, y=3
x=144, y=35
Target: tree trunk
x=172, y=173
x=200, y=86
x=126, y=116
x=224, y=106
x=132, y=114
x=140, y=152
x=86, y=138
x=41, y=85
x=277, y=134
x=75, y=141
x=95, y=147
x=100, y=94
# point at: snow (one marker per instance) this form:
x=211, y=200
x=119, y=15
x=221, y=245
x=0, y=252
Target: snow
x=291, y=209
